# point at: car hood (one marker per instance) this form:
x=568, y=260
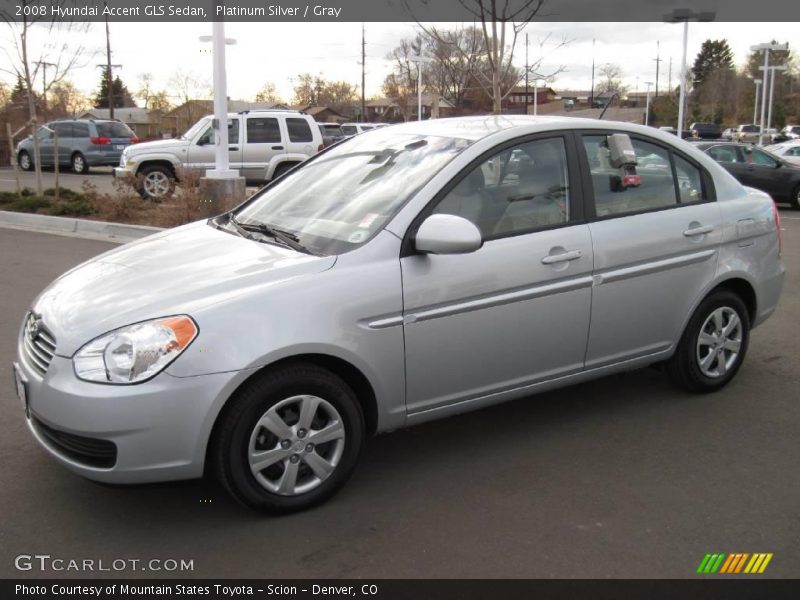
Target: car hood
x=181, y=271
x=156, y=146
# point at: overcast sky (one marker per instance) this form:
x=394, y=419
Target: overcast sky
x=276, y=52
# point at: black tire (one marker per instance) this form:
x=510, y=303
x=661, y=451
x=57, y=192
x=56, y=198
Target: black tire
x=150, y=190
x=684, y=367
x=79, y=164
x=795, y=199
x=25, y=161
x=237, y=430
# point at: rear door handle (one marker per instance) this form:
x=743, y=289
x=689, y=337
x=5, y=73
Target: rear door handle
x=701, y=230
x=277, y=147
x=563, y=257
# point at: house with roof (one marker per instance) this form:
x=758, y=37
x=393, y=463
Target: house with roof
x=145, y=123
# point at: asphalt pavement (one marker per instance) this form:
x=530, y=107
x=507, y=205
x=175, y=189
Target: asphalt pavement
x=622, y=477
x=100, y=177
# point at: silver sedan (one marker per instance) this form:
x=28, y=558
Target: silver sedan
x=407, y=274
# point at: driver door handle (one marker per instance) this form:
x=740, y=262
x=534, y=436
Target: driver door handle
x=233, y=147
x=563, y=257
x=702, y=230
x=277, y=147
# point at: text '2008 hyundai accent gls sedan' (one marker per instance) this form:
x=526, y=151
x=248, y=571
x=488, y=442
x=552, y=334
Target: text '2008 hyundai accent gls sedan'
x=407, y=274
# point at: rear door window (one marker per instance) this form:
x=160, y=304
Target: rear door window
x=80, y=130
x=723, y=153
x=64, y=130
x=263, y=130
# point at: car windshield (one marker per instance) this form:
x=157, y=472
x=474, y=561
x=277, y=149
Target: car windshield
x=339, y=200
x=113, y=129
x=195, y=129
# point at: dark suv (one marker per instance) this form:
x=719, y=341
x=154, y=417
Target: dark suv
x=705, y=131
x=82, y=143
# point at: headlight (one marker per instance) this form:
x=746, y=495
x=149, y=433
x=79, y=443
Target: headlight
x=135, y=353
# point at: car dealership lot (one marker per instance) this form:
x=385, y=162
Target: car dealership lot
x=623, y=477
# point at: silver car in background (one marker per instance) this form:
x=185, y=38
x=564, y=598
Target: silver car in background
x=417, y=272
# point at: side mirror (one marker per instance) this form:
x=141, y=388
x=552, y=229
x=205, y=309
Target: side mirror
x=447, y=234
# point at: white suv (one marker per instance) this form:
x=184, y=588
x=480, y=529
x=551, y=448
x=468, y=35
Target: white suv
x=262, y=145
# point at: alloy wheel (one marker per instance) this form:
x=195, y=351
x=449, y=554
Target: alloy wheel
x=296, y=445
x=719, y=342
x=156, y=184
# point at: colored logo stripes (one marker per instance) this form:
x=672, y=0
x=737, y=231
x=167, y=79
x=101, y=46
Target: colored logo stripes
x=737, y=562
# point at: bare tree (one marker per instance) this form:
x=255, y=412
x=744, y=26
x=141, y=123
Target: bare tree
x=145, y=90
x=610, y=79
x=400, y=86
x=51, y=59
x=456, y=56
x=67, y=99
x=501, y=22
x=269, y=94
x=189, y=86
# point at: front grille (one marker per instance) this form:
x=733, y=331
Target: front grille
x=91, y=452
x=38, y=343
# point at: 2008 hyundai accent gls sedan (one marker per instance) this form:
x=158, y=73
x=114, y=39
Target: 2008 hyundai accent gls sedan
x=410, y=273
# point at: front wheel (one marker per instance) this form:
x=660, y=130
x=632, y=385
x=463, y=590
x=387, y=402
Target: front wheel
x=713, y=345
x=79, y=164
x=24, y=161
x=156, y=182
x=289, y=440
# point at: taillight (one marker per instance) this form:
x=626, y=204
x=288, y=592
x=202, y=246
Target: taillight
x=135, y=140
x=777, y=224
x=100, y=140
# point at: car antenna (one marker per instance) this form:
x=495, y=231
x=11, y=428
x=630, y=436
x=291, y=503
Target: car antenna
x=605, y=108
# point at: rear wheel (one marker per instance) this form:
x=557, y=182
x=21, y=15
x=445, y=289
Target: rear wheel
x=289, y=440
x=79, y=164
x=713, y=345
x=156, y=182
x=795, y=200
x=24, y=161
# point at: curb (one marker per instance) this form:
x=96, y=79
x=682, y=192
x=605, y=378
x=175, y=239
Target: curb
x=120, y=233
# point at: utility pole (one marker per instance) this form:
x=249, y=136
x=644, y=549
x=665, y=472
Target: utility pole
x=669, y=78
x=591, y=93
x=108, y=73
x=658, y=62
x=527, y=68
x=766, y=49
x=363, y=72
x=44, y=66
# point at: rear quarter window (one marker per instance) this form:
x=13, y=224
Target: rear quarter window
x=299, y=130
x=113, y=129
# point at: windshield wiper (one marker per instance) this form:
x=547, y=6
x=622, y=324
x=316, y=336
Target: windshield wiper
x=285, y=237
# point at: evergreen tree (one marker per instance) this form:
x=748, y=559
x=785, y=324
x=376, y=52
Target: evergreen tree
x=122, y=97
x=714, y=56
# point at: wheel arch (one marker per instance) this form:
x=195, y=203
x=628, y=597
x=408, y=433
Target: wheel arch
x=352, y=376
x=161, y=162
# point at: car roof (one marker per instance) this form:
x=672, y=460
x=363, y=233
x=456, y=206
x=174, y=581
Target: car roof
x=479, y=127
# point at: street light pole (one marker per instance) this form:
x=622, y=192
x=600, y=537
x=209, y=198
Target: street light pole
x=755, y=102
x=772, y=74
x=420, y=60
x=647, y=108
x=684, y=15
x=766, y=49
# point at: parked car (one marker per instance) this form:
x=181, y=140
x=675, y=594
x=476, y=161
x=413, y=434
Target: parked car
x=788, y=151
x=788, y=133
x=400, y=277
x=331, y=133
x=747, y=133
x=705, y=131
x=728, y=134
x=262, y=145
x=82, y=143
x=758, y=168
x=351, y=129
x=685, y=134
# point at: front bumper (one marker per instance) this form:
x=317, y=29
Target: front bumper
x=122, y=173
x=159, y=429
